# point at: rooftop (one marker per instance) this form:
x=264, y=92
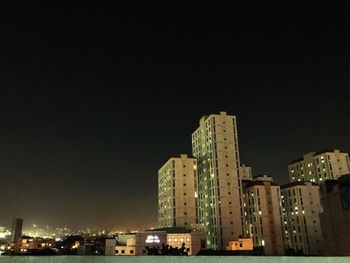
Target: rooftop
x=298, y=183
x=262, y=183
x=173, y=230
x=316, y=153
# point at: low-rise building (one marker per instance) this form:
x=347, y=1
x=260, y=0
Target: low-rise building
x=242, y=244
x=110, y=247
x=26, y=244
x=194, y=241
x=134, y=244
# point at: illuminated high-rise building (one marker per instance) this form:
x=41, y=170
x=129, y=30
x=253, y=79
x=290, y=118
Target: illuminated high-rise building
x=16, y=231
x=215, y=145
x=319, y=166
x=177, y=193
x=301, y=217
x=263, y=214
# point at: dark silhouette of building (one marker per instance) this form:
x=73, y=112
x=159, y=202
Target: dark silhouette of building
x=335, y=219
x=16, y=231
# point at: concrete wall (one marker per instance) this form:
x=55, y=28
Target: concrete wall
x=152, y=259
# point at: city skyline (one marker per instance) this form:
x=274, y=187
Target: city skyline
x=96, y=97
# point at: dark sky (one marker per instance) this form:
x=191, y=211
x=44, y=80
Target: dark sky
x=95, y=97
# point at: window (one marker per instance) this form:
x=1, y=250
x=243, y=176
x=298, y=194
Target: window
x=131, y=251
x=123, y=251
x=117, y=251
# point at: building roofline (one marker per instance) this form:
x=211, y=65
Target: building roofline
x=172, y=230
x=296, y=161
x=298, y=183
x=262, y=183
x=262, y=175
x=315, y=154
x=328, y=151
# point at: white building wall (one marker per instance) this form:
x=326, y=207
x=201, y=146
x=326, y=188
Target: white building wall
x=177, y=192
x=215, y=145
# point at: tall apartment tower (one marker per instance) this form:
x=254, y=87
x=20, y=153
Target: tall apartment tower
x=335, y=219
x=215, y=145
x=301, y=209
x=177, y=193
x=319, y=166
x=263, y=214
x=16, y=231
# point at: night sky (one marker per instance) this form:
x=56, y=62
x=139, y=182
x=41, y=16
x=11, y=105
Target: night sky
x=95, y=97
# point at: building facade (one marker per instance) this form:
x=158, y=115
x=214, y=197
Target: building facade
x=263, y=214
x=319, y=166
x=335, y=219
x=177, y=193
x=242, y=244
x=301, y=208
x=134, y=244
x=245, y=172
x=194, y=241
x=27, y=244
x=16, y=231
x=215, y=145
